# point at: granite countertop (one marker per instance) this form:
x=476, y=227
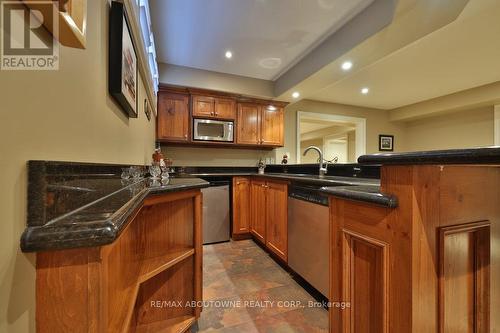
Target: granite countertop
x=364, y=193
x=86, y=209
x=483, y=155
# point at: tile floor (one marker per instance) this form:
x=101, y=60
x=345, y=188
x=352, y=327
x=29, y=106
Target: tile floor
x=246, y=291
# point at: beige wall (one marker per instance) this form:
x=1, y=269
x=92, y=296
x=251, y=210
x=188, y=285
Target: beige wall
x=465, y=129
x=56, y=115
x=191, y=156
x=199, y=78
x=377, y=122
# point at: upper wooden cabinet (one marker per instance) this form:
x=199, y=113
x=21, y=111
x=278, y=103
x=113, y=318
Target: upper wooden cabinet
x=214, y=107
x=173, y=117
x=260, y=125
x=257, y=123
x=248, y=124
x=272, y=124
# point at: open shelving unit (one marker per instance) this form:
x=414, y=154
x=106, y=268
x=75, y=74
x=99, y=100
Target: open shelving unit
x=157, y=259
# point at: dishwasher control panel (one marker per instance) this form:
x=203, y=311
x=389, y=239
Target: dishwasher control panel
x=309, y=194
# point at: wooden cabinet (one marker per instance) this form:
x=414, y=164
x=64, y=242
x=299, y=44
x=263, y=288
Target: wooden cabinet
x=241, y=205
x=258, y=210
x=248, y=124
x=268, y=223
x=173, y=117
x=260, y=125
x=203, y=106
x=272, y=126
x=276, y=218
x=214, y=107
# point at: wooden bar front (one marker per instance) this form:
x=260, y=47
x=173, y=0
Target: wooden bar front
x=430, y=265
x=133, y=284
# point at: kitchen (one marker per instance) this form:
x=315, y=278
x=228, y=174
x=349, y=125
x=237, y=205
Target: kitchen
x=286, y=166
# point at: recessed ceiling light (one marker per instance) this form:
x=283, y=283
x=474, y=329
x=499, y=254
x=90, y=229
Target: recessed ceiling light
x=346, y=65
x=296, y=94
x=365, y=91
x=229, y=54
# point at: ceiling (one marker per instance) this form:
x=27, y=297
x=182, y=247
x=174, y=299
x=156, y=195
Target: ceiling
x=311, y=125
x=266, y=37
x=461, y=55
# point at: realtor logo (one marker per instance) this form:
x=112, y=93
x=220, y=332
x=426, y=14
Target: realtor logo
x=25, y=42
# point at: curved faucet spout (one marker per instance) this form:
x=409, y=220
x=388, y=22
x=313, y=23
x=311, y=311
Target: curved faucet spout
x=322, y=166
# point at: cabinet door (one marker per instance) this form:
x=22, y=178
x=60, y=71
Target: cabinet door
x=225, y=108
x=241, y=205
x=276, y=219
x=272, y=127
x=258, y=210
x=173, y=117
x=248, y=129
x=203, y=106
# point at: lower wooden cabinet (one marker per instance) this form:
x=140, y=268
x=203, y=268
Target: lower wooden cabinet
x=241, y=205
x=268, y=215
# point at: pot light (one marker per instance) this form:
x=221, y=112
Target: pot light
x=229, y=54
x=346, y=65
x=365, y=91
x=296, y=94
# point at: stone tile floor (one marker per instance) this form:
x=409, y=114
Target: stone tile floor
x=247, y=291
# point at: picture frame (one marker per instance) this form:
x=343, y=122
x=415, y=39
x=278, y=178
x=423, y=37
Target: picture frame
x=385, y=142
x=123, y=62
x=147, y=109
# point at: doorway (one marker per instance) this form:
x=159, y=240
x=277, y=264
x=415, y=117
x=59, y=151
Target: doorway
x=342, y=138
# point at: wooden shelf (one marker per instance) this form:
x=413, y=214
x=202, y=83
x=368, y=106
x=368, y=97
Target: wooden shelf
x=153, y=266
x=174, y=325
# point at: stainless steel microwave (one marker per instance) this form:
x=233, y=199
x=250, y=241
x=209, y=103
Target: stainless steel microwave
x=213, y=130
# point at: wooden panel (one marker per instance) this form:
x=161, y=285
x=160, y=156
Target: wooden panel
x=276, y=219
x=241, y=205
x=173, y=117
x=258, y=210
x=203, y=106
x=175, y=285
x=272, y=124
x=225, y=108
x=365, y=265
x=464, y=282
x=248, y=124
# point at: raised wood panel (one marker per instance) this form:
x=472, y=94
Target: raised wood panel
x=366, y=278
x=241, y=205
x=464, y=281
x=173, y=117
x=225, y=108
x=276, y=218
x=203, y=106
x=258, y=210
x=248, y=124
x=272, y=124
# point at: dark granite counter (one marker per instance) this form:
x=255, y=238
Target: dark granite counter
x=364, y=193
x=85, y=206
x=484, y=155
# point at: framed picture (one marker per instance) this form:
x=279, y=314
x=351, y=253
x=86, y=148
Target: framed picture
x=147, y=109
x=122, y=61
x=385, y=142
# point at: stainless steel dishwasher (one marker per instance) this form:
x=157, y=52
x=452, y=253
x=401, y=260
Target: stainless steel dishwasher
x=216, y=212
x=308, y=236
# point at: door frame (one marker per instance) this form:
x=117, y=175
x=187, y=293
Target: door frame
x=497, y=125
x=360, y=129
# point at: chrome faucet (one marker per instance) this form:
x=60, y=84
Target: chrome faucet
x=322, y=165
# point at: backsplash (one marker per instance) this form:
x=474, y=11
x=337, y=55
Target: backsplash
x=191, y=156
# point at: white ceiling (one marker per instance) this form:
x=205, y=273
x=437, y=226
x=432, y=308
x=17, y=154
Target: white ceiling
x=462, y=55
x=266, y=37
